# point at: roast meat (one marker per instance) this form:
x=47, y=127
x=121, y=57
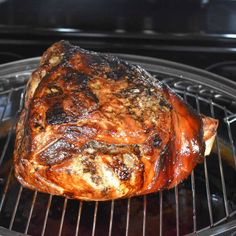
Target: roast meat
x=95, y=127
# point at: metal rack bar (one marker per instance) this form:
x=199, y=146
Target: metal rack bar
x=193, y=188
x=63, y=216
x=127, y=218
x=232, y=213
x=144, y=214
x=46, y=215
x=208, y=192
x=221, y=168
x=218, y=222
x=177, y=209
x=95, y=218
x=31, y=211
x=230, y=137
x=6, y=188
x=194, y=202
x=15, y=208
x=111, y=218
x=6, y=145
x=161, y=212
x=220, y=230
x=230, y=118
x=206, y=100
x=206, y=177
x=78, y=218
x=5, y=107
x=12, y=89
x=10, y=132
x=209, y=227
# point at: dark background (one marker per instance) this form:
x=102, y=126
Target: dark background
x=198, y=33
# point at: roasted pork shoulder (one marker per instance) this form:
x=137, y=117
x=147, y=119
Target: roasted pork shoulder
x=95, y=127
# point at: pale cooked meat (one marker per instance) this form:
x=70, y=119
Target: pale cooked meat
x=94, y=127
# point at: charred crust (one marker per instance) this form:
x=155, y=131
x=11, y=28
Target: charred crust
x=69, y=50
x=73, y=75
x=57, y=152
x=131, y=91
x=161, y=164
x=56, y=115
x=81, y=79
x=67, y=46
x=156, y=141
x=137, y=151
x=91, y=95
x=121, y=170
x=164, y=153
x=118, y=69
x=92, y=60
x=96, y=179
x=116, y=75
x=164, y=104
x=89, y=166
x=38, y=126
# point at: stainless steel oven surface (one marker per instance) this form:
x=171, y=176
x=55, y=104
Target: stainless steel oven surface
x=205, y=203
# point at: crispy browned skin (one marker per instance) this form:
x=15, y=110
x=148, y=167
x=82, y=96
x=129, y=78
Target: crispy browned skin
x=94, y=127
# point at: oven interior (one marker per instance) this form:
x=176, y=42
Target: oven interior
x=198, y=33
